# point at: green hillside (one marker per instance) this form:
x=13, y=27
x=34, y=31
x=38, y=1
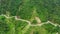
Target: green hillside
x=30, y=15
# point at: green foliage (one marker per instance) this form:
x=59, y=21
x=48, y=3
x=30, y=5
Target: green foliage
x=46, y=10
x=34, y=22
x=51, y=28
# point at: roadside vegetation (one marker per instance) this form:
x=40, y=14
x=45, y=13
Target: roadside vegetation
x=26, y=16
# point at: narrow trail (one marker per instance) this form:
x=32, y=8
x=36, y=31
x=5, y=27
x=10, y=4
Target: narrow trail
x=29, y=23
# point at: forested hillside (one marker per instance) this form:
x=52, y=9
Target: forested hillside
x=16, y=15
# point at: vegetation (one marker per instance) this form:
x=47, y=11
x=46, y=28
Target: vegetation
x=45, y=10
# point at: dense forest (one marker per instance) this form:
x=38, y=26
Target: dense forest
x=46, y=10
